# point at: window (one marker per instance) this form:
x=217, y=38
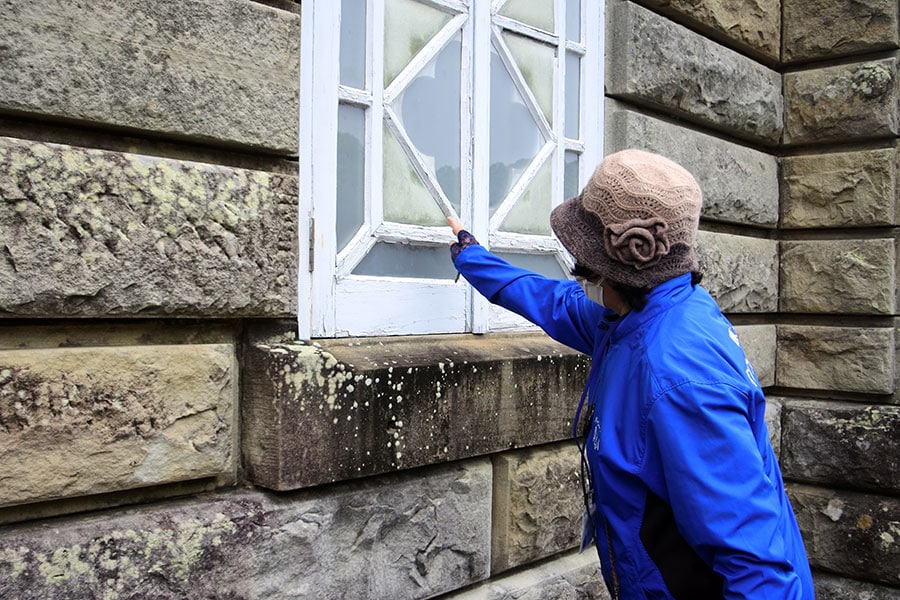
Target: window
x=419, y=109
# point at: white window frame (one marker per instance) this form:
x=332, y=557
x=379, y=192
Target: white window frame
x=451, y=307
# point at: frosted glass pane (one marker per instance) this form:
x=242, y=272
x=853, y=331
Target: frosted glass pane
x=406, y=200
x=408, y=26
x=531, y=213
x=545, y=264
x=401, y=260
x=353, y=43
x=429, y=111
x=534, y=12
x=573, y=20
x=351, y=163
x=535, y=60
x=573, y=95
x=570, y=176
x=515, y=137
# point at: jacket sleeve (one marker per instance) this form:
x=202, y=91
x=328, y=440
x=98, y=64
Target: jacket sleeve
x=725, y=505
x=560, y=308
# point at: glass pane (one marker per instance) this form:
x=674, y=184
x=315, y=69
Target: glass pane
x=531, y=214
x=573, y=20
x=538, y=13
x=351, y=168
x=401, y=260
x=570, y=176
x=406, y=199
x=545, y=264
x=573, y=95
x=429, y=111
x=535, y=60
x=353, y=43
x=408, y=26
x=515, y=137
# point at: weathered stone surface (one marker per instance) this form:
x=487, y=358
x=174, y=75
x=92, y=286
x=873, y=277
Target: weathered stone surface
x=573, y=576
x=77, y=421
x=740, y=185
x=838, y=276
x=817, y=29
x=849, y=359
x=850, y=534
x=398, y=537
x=841, y=103
x=653, y=61
x=95, y=233
x=740, y=272
x=846, y=189
x=538, y=505
x=774, y=407
x=350, y=408
x=221, y=71
x=758, y=342
x=829, y=587
x=842, y=445
x=754, y=25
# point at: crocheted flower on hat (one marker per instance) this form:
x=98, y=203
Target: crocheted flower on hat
x=640, y=243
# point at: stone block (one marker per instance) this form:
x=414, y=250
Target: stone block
x=740, y=185
x=821, y=29
x=774, y=407
x=347, y=408
x=538, y=504
x=758, y=342
x=572, y=576
x=846, y=359
x=78, y=421
x=842, y=103
x=829, y=587
x=752, y=25
x=850, y=534
x=215, y=71
x=838, y=276
x=656, y=62
x=842, y=445
x=401, y=537
x=843, y=189
x=90, y=233
x=740, y=272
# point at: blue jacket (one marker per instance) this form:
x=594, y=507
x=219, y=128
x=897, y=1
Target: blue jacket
x=689, y=495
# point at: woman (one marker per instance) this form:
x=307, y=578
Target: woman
x=684, y=496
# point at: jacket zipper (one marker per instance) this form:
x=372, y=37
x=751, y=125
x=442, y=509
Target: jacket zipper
x=612, y=561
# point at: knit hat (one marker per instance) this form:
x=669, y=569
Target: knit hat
x=636, y=220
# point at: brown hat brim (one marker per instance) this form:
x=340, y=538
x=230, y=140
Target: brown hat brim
x=580, y=232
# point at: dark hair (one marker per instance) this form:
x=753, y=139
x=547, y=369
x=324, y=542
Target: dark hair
x=636, y=297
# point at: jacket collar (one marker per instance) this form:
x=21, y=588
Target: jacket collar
x=659, y=300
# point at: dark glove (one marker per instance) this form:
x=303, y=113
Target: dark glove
x=466, y=239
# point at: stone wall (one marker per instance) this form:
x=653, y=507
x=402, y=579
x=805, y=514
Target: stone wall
x=163, y=434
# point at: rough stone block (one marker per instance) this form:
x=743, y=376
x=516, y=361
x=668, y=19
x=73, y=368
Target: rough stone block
x=348, y=408
x=401, y=537
x=653, y=61
x=817, y=29
x=740, y=272
x=758, y=342
x=753, y=25
x=575, y=576
x=842, y=445
x=846, y=189
x=850, y=534
x=838, y=276
x=91, y=233
x=829, y=587
x=847, y=359
x=774, y=407
x=842, y=103
x=538, y=505
x=78, y=421
x=740, y=185
x=217, y=71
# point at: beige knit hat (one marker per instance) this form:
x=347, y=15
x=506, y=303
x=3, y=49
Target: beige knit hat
x=635, y=222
